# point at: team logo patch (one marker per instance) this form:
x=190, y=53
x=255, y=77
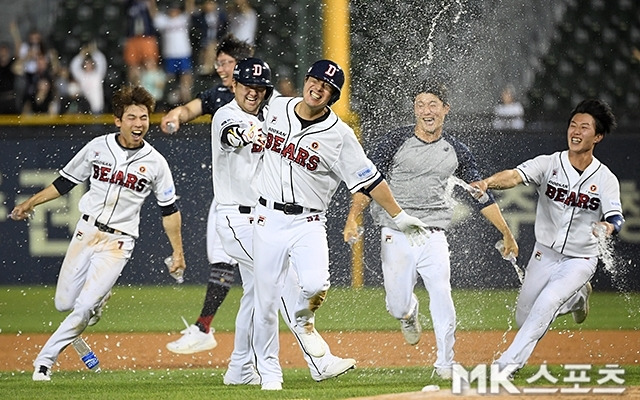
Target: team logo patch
x=274, y=119
x=142, y=169
x=593, y=188
x=554, y=173
x=79, y=235
x=538, y=256
x=261, y=219
x=315, y=145
x=96, y=154
x=363, y=173
x=388, y=239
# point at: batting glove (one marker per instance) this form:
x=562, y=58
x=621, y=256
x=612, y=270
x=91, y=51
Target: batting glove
x=412, y=227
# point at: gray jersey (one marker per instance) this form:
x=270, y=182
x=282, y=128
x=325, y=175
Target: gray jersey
x=418, y=173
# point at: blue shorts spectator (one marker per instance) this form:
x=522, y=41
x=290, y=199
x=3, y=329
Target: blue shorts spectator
x=177, y=66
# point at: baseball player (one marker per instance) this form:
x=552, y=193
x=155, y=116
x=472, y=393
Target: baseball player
x=418, y=161
x=123, y=169
x=578, y=200
x=235, y=137
x=199, y=336
x=308, y=152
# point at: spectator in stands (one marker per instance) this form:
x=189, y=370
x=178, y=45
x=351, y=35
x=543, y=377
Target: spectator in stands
x=8, y=102
x=34, y=59
x=243, y=21
x=176, y=44
x=509, y=114
x=154, y=80
x=141, y=43
x=89, y=68
x=40, y=98
x=208, y=26
x=68, y=93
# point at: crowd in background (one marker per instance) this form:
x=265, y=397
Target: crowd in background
x=165, y=44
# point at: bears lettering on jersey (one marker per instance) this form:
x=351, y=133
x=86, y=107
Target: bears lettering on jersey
x=573, y=199
x=296, y=154
x=130, y=181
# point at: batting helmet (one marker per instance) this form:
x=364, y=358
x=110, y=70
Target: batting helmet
x=330, y=72
x=254, y=72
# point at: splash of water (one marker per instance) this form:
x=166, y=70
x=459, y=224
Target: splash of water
x=428, y=59
x=605, y=248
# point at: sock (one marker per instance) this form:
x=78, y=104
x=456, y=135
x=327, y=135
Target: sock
x=220, y=281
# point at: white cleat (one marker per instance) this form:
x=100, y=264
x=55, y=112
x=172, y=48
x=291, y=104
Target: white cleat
x=411, y=328
x=254, y=380
x=42, y=373
x=311, y=340
x=338, y=367
x=272, y=386
x=193, y=340
x=443, y=373
x=581, y=314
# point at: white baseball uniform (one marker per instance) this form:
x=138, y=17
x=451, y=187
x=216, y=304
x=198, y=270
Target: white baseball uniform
x=236, y=169
x=302, y=168
x=418, y=174
x=565, y=254
x=120, y=180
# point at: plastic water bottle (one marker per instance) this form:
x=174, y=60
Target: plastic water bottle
x=178, y=274
x=171, y=127
x=86, y=354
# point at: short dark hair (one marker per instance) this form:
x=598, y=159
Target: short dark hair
x=435, y=87
x=129, y=95
x=234, y=47
x=601, y=113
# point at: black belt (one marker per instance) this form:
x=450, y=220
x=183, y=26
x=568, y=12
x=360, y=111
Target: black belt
x=244, y=209
x=104, y=228
x=288, y=208
x=434, y=229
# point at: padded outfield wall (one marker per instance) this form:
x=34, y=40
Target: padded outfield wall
x=32, y=252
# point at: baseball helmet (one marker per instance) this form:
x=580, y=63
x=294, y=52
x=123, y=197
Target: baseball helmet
x=329, y=72
x=254, y=72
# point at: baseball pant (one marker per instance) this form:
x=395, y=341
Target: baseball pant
x=281, y=240
x=401, y=264
x=551, y=287
x=91, y=266
x=236, y=232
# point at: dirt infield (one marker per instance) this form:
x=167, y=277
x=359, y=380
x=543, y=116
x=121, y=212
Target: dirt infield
x=371, y=349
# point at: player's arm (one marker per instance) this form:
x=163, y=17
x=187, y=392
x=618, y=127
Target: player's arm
x=502, y=180
x=172, y=224
x=59, y=187
x=412, y=227
x=359, y=203
x=180, y=115
x=492, y=214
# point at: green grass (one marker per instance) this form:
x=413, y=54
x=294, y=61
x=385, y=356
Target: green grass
x=194, y=384
x=158, y=309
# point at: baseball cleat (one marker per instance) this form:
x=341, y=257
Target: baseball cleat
x=311, y=340
x=42, y=373
x=338, y=367
x=97, y=312
x=272, y=386
x=254, y=380
x=193, y=340
x=411, y=328
x=581, y=314
x=443, y=373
